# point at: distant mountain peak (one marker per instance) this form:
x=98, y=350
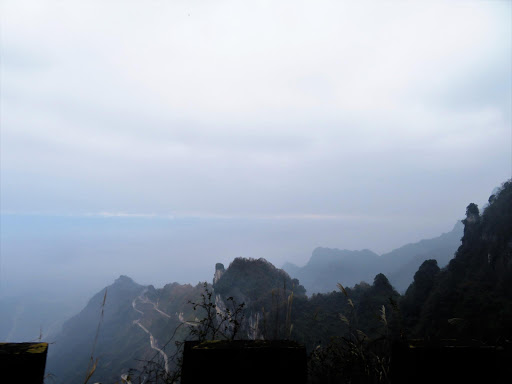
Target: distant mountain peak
x=323, y=255
x=458, y=226
x=123, y=279
x=328, y=266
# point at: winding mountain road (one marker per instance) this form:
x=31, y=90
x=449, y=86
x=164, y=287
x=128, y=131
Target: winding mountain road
x=152, y=340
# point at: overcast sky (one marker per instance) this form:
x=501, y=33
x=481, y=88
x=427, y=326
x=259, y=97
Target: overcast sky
x=320, y=117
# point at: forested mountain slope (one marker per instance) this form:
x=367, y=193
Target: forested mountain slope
x=468, y=299
x=122, y=326
x=472, y=296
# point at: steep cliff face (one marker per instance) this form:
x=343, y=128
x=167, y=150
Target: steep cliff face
x=268, y=293
x=133, y=323
x=253, y=280
x=126, y=323
x=111, y=309
x=472, y=296
x=219, y=271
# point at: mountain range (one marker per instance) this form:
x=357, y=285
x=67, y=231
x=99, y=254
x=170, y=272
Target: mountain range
x=328, y=266
x=134, y=323
x=129, y=328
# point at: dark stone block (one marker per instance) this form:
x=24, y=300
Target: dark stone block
x=23, y=362
x=448, y=361
x=244, y=361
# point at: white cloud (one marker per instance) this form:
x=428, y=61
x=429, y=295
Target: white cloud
x=271, y=108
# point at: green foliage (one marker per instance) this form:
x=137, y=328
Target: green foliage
x=266, y=290
x=354, y=357
x=380, y=294
x=217, y=323
x=213, y=322
x=418, y=292
x=476, y=285
x=253, y=280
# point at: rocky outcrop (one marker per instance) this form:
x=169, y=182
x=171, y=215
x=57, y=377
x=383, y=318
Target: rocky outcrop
x=219, y=271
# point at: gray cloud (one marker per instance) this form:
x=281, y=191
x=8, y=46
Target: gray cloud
x=325, y=113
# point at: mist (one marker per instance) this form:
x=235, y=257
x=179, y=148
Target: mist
x=154, y=139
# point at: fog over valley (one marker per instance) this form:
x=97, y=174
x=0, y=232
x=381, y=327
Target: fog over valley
x=161, y=250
